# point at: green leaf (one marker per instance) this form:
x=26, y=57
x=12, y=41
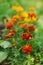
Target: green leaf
x=5, y=44
x=3, y=55
x=37, y=64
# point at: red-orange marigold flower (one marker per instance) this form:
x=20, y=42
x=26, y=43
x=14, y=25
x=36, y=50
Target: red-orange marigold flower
x=9, y=25
x=31, y=27
x=26, y=36
x=11, y=33
x=32, y=14
x=27, y=49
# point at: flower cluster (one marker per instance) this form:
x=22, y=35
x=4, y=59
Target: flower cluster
x=29, y=27
x=26, y=25
x=21, y=37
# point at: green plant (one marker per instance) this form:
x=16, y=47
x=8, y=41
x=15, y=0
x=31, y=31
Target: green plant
x=22, y=40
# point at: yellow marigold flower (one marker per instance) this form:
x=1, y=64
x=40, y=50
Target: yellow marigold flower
x=19, y=9
x=34, y=18
x=24, y=14
x=27, y=19
x=32, y=8
x=14, y=7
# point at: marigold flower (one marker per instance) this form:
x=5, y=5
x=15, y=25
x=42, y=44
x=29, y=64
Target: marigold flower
x=31, y=27
x=9, y=25
x=30, y=14
x=26, y=36
x=27, y=49
x=12, y=21
x=19, y=9
x=33, y=16
x=10, y=34
x=22, y=25
x=16, y=17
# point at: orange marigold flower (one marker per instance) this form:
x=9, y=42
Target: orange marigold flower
x=26, y=36
x=10, y=34
x=16, y=17
x=19, y=9
x=31, y=27
x=9, y=25
x=27, y=49
x=12, y=21
x=23, y=25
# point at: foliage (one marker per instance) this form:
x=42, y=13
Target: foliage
x=21, y=40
